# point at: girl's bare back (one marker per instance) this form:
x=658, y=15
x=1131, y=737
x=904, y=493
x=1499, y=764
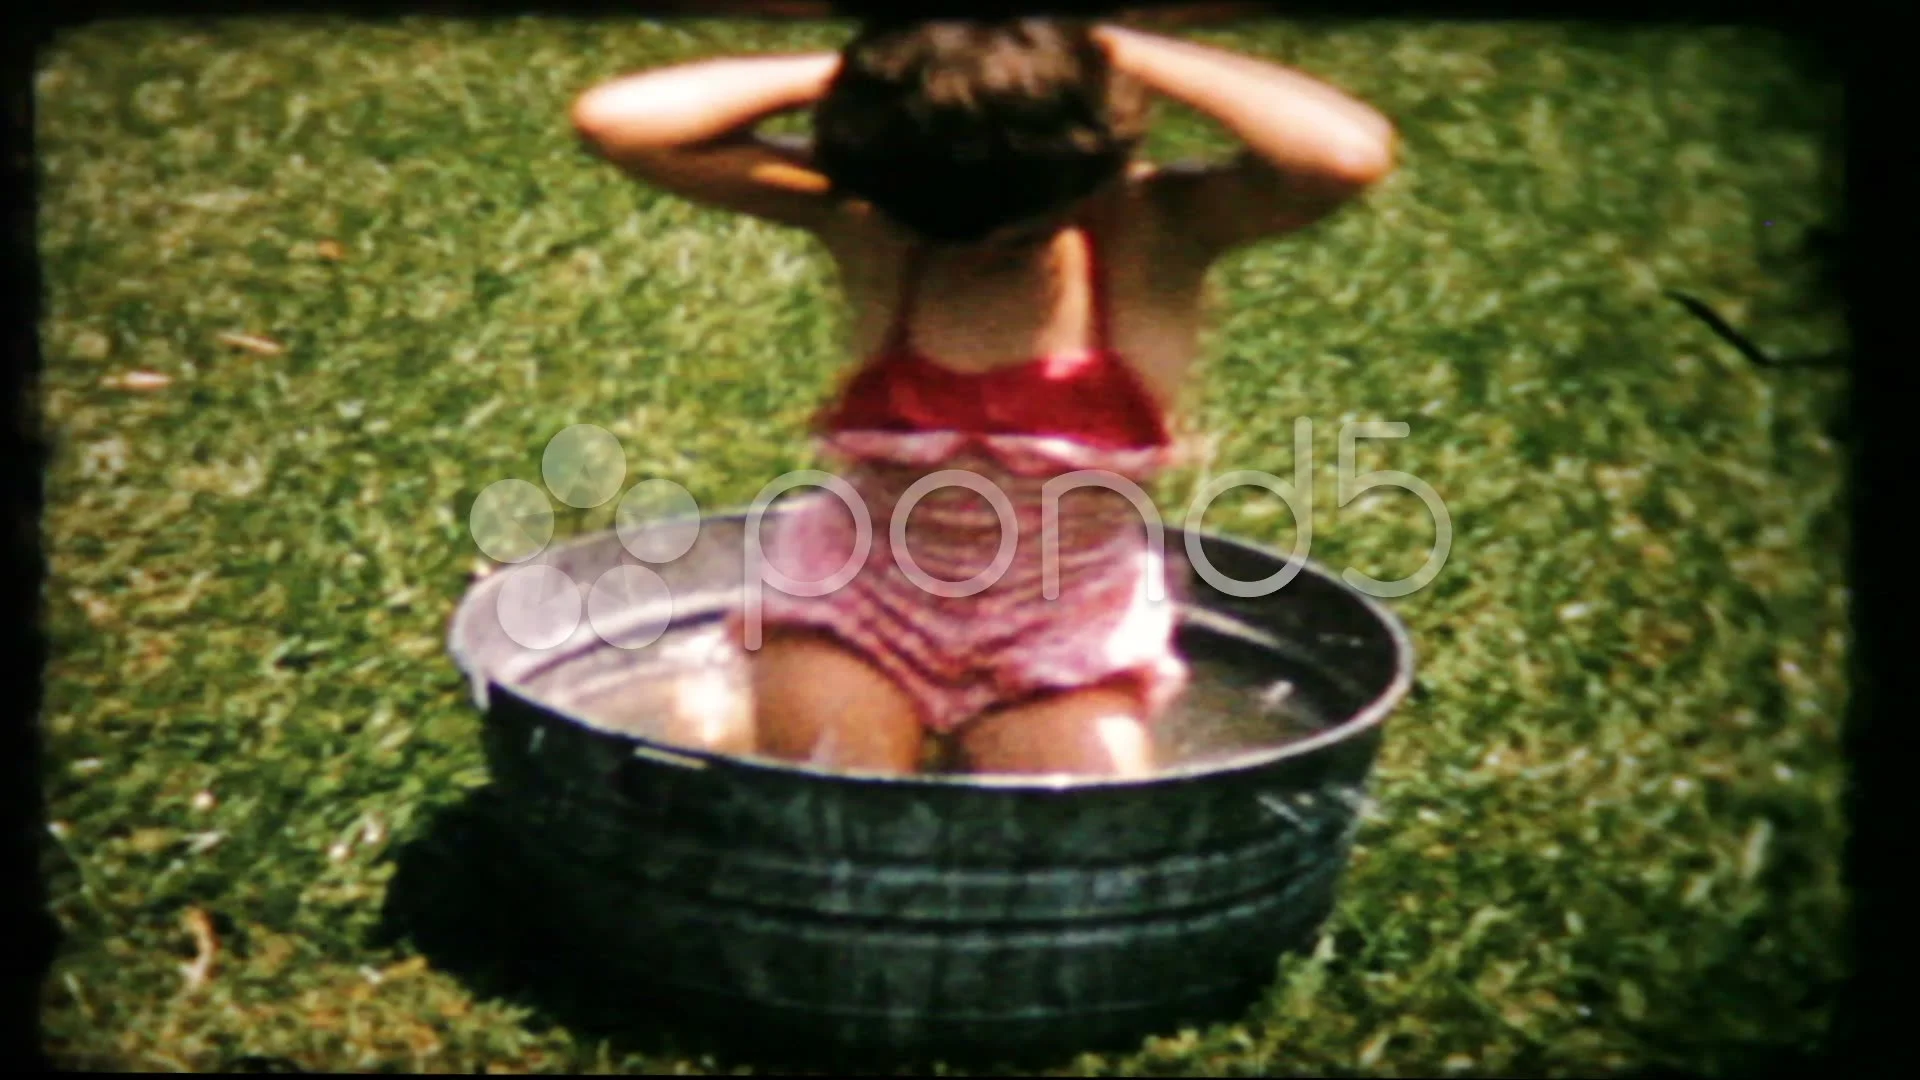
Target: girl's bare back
x=1002, y=305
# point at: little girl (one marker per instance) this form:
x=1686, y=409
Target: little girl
x=1027, y=299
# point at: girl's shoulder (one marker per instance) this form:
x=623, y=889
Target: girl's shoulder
x=1139, y=220
x=860, y=236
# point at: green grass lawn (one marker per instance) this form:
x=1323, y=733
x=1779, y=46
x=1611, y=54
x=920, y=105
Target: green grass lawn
x=1608, y=833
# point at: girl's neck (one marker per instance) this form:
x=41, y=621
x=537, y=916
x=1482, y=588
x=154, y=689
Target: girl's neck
x=1006, y=256
x=1011, y=248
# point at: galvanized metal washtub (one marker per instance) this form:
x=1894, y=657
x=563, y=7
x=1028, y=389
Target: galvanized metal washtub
x=937, y=914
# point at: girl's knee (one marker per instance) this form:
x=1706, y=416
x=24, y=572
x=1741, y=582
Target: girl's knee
x=1099, y=731
x=820, y=703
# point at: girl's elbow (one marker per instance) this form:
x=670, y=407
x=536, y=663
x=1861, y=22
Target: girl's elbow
x=590, y=116
x=624, y=114
x=1364, y=162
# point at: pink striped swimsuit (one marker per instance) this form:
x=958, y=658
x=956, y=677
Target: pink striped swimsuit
x=1101, y=611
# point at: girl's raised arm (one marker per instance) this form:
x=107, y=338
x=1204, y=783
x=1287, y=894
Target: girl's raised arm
x=688, y=129
x=1309, y=146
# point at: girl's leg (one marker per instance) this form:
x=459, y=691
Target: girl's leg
x=1098, y=731
x=819, y=702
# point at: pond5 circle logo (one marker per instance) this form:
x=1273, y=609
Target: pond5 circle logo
x=539, y=605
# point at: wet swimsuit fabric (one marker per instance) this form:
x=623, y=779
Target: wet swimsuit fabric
x=1101, y=611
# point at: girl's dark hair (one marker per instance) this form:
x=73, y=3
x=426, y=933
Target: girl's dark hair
x=954, y=128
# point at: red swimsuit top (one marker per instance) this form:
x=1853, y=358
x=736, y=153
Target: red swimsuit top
x=1091, y=396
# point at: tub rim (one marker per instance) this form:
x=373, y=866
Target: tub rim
x=1369, y=716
